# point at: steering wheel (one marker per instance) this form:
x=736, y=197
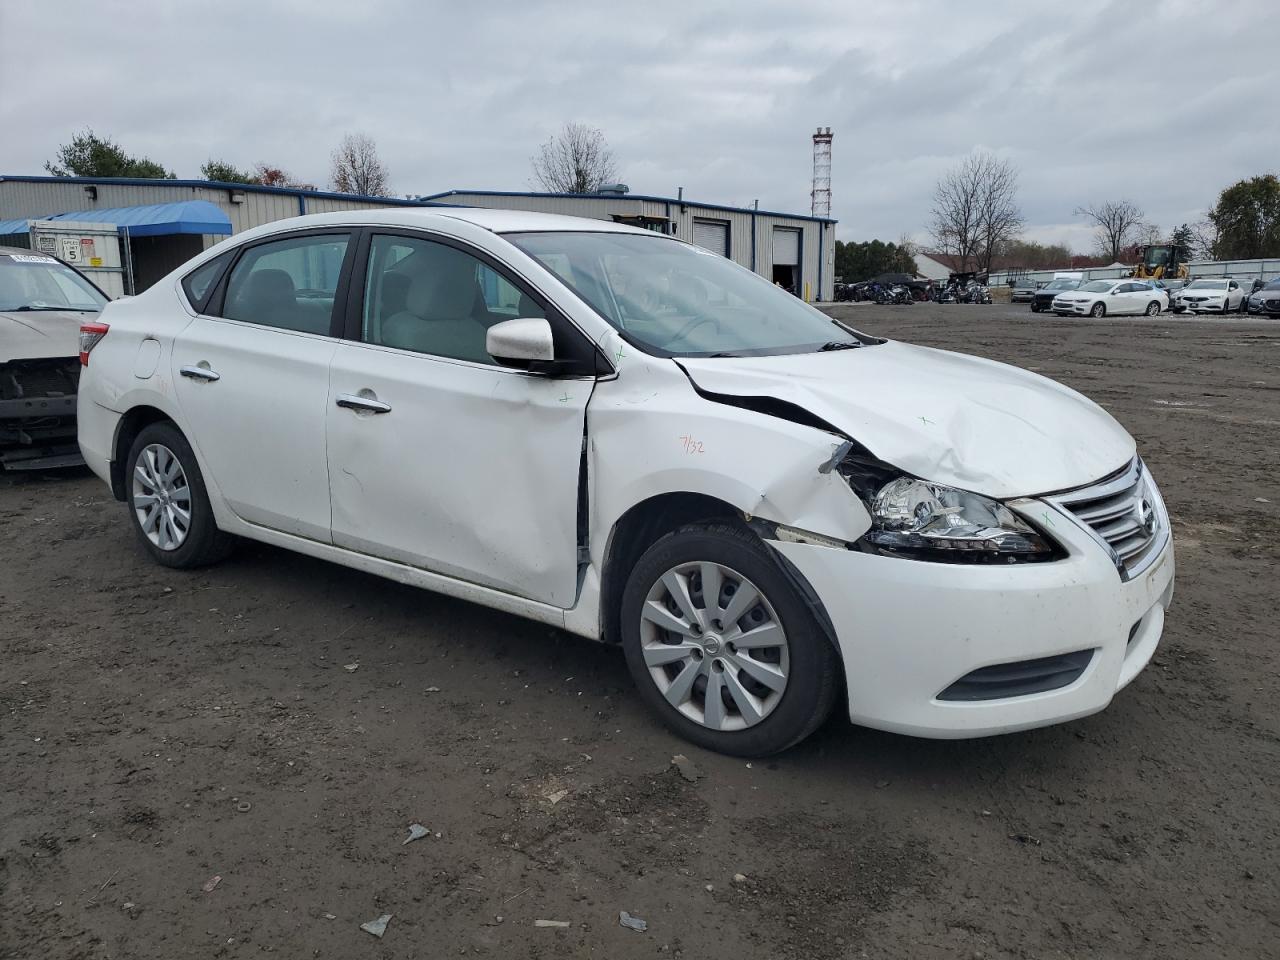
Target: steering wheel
x=691, y=326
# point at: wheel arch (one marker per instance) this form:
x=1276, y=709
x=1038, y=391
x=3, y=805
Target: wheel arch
x=127, y=430
x=646, y=522
x=639, y=528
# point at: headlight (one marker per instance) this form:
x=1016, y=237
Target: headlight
x=913, y=515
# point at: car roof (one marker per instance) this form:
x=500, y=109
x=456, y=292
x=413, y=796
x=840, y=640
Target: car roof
x=498, y=221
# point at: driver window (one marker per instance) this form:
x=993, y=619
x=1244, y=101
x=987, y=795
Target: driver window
x=433, y=298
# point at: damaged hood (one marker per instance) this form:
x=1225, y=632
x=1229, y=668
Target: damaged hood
x=955, y=419
x=37, y=334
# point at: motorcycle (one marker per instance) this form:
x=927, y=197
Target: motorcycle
x=900, y=293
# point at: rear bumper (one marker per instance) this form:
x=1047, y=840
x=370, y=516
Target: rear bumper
x=909, y=630
x=96, y=428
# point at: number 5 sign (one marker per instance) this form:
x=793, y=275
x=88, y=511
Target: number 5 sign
x=70, y=249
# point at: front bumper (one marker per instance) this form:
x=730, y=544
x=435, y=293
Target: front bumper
x=1072, y=308
x=1200, y=306
x=37, y=415
x=908, y=630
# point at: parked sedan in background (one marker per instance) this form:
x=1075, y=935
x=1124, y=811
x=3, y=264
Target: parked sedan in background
x=1042, y=300
x=1100, y=298
x=552, y=416
x=1023, y=290
x=43, y=303
x=1211, y=295
x=1266, y=301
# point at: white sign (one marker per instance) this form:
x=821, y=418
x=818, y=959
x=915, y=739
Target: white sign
x=70, y=249
x=47, y=242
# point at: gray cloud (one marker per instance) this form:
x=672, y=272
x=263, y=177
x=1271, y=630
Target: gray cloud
x=719, y=98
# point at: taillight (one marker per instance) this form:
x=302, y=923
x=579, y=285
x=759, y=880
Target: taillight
x=91, y=333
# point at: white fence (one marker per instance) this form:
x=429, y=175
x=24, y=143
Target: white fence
x=1248, y=269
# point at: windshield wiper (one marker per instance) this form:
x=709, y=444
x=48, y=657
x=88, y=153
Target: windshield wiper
x=840, y=345
x=31, y=309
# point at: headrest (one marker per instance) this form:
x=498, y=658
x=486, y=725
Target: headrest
x=268, y=286
x=442, y=295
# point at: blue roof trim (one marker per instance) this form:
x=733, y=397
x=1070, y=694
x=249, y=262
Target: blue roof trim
x=215, y=185
x=146, y=220
x=626, y=196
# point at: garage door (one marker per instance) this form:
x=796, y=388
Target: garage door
x=712, y=235
x=786, y=247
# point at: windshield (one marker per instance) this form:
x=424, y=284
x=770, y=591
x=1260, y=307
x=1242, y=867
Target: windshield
x=1273, y=285
x=1208, y=285
x=1098, y=286
x=1062, y=285
x=36, y=282
x=677, y=300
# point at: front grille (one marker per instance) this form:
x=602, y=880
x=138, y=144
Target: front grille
x=1123, y=511
x=1273, y=304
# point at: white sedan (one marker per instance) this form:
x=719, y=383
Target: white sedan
x=617, y=433
x=1101, y=298
x=1216, y=296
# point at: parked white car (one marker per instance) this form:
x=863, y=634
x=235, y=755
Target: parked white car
x=1216, y=296
x=617, y=433
x=1101, y=298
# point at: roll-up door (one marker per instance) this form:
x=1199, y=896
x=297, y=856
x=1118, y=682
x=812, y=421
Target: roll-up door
x=712, y=235
x=786, y=247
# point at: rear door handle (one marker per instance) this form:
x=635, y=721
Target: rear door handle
x=352, y=402
x=200, y=373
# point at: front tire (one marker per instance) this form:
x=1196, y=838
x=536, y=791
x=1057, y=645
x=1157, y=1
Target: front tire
x=1153, y=308
x=168, y=503
x=721, y=644
x=1098, y=311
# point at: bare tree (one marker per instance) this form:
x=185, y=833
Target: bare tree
x=1116, y=221
x=975, y=210
x=356, y=167
x=1204, y=237
x=576, y=160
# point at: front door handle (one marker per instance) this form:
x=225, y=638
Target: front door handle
x=367, y=404
x=200, y=373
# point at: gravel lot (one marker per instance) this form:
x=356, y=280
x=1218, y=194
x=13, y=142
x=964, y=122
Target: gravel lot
x=160, y=729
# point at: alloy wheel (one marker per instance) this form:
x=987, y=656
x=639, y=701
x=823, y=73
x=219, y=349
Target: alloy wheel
x=161, y=497
x=714, y=646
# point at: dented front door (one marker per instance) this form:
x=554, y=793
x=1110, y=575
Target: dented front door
x=471, y=470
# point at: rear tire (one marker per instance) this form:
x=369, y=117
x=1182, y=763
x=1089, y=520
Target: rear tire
x=675, y=666
x=168, y=502
x=1098, y=311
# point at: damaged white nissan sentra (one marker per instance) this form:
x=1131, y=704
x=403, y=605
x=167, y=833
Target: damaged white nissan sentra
x=610, y=430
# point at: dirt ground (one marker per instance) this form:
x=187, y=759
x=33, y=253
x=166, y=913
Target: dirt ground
x=160, y=729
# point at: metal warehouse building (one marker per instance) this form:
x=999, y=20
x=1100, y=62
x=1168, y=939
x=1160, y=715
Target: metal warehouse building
x=796, y=251
x=163, y=223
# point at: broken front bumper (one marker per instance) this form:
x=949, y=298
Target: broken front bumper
x=917, y=638
x=38, y=414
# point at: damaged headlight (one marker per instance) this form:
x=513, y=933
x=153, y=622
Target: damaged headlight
x=911, y=515
x=932, y=521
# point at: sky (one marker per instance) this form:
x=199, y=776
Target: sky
x=1090, y=101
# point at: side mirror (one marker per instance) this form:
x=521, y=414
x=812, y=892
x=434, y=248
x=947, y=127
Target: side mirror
x=525, y=342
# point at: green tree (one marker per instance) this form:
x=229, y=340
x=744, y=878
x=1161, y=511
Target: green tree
x=1247, y=218
x=88, y=155
x=1185, y=237
x=862, y=261
x=224, y=172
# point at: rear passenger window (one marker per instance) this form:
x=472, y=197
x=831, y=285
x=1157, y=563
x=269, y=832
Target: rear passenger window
x=290, y=284
x=199, y=282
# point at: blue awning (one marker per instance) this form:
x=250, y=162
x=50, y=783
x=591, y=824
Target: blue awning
x=148, y=220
